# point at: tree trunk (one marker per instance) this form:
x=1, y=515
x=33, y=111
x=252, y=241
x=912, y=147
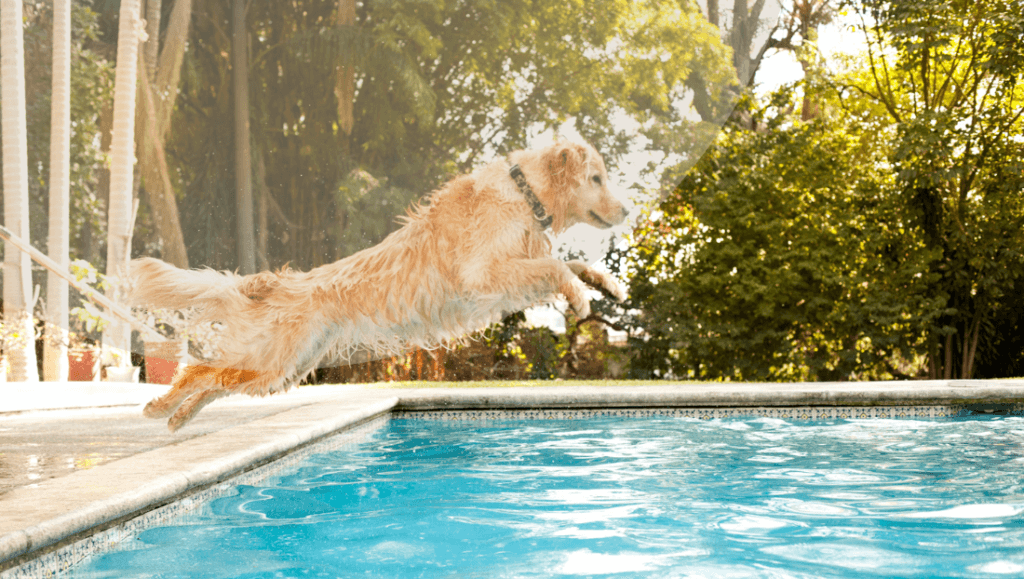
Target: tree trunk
x=947, y=369
x=971, y=350
x=19, y=332
x=156, y=175
x=345, y=83
x=154, y=110
x=263, y=231
x=246, y=242
x=713, y=13
x=168, y=71
x=55, y=346
x=808, y=55
x=740, y=36
x=117, y=335
x=152, y=51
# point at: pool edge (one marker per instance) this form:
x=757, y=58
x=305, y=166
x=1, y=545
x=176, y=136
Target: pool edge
x=738, y=395
x=20, y=547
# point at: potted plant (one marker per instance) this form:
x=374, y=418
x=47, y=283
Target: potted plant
x=83, y=362
x=83, y=351
x=163, y=358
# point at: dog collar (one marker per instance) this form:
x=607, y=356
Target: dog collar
x=538, y=208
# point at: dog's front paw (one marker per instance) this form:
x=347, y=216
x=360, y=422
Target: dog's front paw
x=604, y=283
x=581, y=307
x=614, y=290
x=576, y=295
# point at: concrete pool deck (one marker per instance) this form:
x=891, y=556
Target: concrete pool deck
x=77, y=457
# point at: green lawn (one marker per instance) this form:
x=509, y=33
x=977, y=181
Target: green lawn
x=522, y=383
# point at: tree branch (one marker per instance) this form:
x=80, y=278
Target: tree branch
x=595, y=317
x=168, y=72
x=889, y=106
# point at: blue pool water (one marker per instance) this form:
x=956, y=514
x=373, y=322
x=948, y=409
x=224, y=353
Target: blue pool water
x=615, y=497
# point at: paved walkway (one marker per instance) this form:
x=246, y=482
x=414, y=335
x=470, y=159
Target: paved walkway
x=64, y=470
x=49, y=430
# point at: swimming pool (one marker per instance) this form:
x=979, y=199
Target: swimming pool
x=622, y=497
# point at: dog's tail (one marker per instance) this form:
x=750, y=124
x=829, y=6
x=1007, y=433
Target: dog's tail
x=159, y=285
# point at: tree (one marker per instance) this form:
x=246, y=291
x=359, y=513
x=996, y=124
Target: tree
x=151, y=53
x=120, y=207
x=55, y=357
x=802, y=20
x=243, y=158
x=947, y=78
x=763, y=262
x=436, y=89
x=91, y=90
x=19, y=332
x=712, y=100
x=880, y=238
x=345, y=83
x=160, y=90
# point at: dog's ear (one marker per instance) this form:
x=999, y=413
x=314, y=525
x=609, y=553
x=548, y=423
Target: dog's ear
x=566, y=163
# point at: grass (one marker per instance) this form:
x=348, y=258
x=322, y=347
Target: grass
x=523, y=383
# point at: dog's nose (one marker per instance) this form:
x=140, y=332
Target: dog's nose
x=625, y=212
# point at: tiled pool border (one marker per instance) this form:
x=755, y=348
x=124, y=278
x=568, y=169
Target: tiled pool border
x=786, y=413
x=59, y=561
x=877, y=400
x=54, y=543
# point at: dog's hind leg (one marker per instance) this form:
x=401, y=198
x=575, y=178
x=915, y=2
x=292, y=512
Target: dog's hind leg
x=186, y=383
x=192, y=405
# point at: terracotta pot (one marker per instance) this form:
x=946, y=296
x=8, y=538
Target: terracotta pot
x=160, y=371
x=163, y=359
x=83, y=365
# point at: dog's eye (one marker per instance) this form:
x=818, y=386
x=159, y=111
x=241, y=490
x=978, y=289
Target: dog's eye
x=596, y=179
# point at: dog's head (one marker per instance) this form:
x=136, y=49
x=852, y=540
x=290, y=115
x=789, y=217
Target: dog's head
x=572, y=183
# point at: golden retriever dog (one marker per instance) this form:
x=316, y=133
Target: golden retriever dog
x=477, y=250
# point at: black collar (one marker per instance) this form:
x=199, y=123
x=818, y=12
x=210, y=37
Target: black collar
x=538, y=208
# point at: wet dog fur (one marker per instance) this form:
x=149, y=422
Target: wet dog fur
x=471, y=254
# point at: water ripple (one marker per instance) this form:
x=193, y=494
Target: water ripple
x=622, y=498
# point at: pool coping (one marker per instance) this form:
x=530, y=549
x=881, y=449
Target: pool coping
x=727, y=394
x=124, y=489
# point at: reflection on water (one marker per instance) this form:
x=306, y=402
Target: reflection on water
x=38, y=446
x=621, y=498
x=23, y=469
x=20, y=468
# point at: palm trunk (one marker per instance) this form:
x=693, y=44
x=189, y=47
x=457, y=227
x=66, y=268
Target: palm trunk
x=117, y=335
x=243, y=160
x=19, y=333
x=55, y=349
